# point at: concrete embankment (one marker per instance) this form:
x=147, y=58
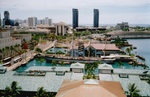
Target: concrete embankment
x=130, y=34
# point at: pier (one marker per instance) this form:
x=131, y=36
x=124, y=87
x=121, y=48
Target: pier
x=140, y=57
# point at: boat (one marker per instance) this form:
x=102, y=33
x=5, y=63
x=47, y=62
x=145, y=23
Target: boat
x=107, y=59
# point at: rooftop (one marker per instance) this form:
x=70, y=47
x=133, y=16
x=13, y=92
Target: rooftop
x=78, y=88
x=77, y=65
x=105, y=66
x=133, y=77
x=51, y=82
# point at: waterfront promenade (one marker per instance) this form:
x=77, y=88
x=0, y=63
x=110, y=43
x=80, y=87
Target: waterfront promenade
x=30, y=55
x=129, y=34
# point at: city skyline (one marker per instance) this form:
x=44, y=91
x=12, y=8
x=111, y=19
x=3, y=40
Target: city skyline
x=111, y=12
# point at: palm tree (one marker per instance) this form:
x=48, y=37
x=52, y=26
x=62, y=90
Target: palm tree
x=61, y=62
x=38, y=50
x=90, y=69
x=128, y=50
x=7, y=50
x=41, y=92
x=148, y=81
x=1, y=54
x=133, y=91
x=134, y=63
x=12, y=91
x=120, y=64
x=41, y=59
x=145, y=66
x=12, y=48
x=54, y=63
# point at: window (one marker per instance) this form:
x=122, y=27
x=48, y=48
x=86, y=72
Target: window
x=123, y=76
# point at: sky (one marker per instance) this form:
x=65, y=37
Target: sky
x=110, y=11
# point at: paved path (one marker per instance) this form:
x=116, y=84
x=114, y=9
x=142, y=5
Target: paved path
x=30, y=54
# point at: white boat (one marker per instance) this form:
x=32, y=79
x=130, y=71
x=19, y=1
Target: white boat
x=108, y=59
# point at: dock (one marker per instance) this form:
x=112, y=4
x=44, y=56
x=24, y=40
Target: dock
x=140, y=57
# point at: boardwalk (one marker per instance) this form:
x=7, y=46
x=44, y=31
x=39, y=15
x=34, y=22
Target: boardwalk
x=30, y=55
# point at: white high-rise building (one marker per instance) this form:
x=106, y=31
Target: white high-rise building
x=48, y=21
x=32, y=21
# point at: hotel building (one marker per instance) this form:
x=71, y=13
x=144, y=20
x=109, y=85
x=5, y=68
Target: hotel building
x=96, y=18
x=75, y=18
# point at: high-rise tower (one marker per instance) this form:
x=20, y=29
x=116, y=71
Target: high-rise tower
x=32, y=21
x=75, y=18
x=96, y=18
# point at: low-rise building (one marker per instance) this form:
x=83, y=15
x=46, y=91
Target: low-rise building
x=7, y=40
x=121, y=26
x=61, y=29
x=95, y=50
x=27, y=37
x=77, y=67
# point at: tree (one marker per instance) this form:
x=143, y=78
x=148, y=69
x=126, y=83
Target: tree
x=54, y=62
x=148, y=81
x=120, y=64
x=12, y=91
x=119, y=42
x=133, y=91
x=40, y=59
x=128, y=50
x=41, y=92
x=38, y=50
x=61, y=62
x=90, y=69
x=1, y=54
x=12, y=48
x=134, y=63
x=145, y=66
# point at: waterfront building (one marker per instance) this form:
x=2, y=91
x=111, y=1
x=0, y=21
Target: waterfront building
x=61, y=29
x=32, y=21
x=121, y=26
x=75, y=18
x=96, y=18
x=95, y=49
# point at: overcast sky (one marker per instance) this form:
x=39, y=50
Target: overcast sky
x=111, y=11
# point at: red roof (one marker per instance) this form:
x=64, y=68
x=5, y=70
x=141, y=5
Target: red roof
x=103, y=46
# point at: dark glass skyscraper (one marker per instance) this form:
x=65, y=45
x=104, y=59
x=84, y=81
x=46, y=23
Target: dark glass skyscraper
x=6, y=20
x=75, y=18
x=96, y=18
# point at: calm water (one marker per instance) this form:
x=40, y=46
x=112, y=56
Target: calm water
x=143, y=49
x=35, y=62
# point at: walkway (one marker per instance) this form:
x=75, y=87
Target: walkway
x=30, y=55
